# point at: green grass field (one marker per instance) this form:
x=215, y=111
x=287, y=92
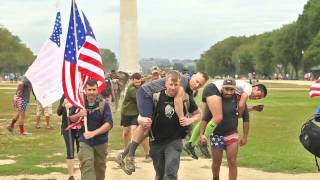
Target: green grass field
x=273, y=141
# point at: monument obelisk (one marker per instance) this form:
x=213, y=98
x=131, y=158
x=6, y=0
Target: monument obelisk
x=129, y=61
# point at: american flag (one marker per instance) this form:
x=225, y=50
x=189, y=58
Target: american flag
x=88, y=64
x=89, y=60
x=315, y=89
x=57, y=31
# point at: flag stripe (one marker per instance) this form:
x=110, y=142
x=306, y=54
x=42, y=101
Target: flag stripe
x=91, y=74
x=89, y=52
x=315, y=89
x=90, y=44
x=70, y=84
x=89, y=60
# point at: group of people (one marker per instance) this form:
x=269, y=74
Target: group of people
x=158, y=114
x=167, y=110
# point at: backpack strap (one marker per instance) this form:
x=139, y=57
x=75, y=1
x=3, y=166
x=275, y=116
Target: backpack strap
x=186, y=103
x=155, y=98
x=102, y=103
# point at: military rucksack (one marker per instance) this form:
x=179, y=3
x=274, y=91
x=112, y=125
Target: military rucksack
x=310, y=138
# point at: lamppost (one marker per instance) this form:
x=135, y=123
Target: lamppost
x=302, y=54
x=239, y=67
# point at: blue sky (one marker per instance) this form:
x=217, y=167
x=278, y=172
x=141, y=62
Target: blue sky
x=167, y=28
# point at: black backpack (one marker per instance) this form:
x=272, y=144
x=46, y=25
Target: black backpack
x=310, y=138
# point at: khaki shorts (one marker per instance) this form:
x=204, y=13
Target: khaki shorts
x=47, y=111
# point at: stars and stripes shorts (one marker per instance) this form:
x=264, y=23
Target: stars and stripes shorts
x=220, y=142
x=20, y=103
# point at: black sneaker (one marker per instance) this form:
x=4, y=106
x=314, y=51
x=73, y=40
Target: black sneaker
x=120, y=161
x=204, y=150
x=188, y=148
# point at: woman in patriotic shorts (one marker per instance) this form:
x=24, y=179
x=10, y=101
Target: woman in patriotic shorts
x=21, y=100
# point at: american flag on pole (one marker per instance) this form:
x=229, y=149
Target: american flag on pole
x=315, y=89
x=87, y=62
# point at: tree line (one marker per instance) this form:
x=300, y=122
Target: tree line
x=16, y=57
x=292, y=49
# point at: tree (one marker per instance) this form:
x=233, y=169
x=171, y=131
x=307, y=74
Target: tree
x=312, y=54
x=109, y=60
x=14, y=55
x=284, y=46
x=243, y=59
x=264, y=57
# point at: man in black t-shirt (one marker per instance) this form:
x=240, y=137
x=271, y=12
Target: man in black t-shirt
x=168, y=131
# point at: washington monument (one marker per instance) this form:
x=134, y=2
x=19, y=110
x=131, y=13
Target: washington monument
x=128, y=36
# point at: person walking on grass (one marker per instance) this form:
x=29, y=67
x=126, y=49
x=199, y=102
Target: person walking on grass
x=20, y=101
x=70, y=136
x=47, y=111
x=93, y=143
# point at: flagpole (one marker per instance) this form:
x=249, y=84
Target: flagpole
x=76, y=49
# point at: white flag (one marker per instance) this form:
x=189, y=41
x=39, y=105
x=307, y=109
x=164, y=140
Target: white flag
x=45, y=73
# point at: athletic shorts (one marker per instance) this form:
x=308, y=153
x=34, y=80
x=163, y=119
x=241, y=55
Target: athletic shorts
x=220, y=142
x=127, y=121
x=145, y=103
x=47, y=111
x=210, y=90
x=20, y=103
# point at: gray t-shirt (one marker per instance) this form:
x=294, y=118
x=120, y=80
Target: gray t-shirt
x=159, y=85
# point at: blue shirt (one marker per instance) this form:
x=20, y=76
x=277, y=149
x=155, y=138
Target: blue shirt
x=95, y=119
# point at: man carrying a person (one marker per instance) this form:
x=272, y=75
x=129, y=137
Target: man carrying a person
x=212, y=98
x=145, y=105
x=167, y=130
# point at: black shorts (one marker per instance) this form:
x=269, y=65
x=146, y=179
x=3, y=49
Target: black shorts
x=71, y=137
x=210, y=90
x=127, y=121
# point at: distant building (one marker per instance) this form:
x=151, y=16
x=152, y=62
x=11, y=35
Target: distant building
x=148, y=63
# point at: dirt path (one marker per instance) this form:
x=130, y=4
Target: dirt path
x=297, y=82
x=189, y=170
